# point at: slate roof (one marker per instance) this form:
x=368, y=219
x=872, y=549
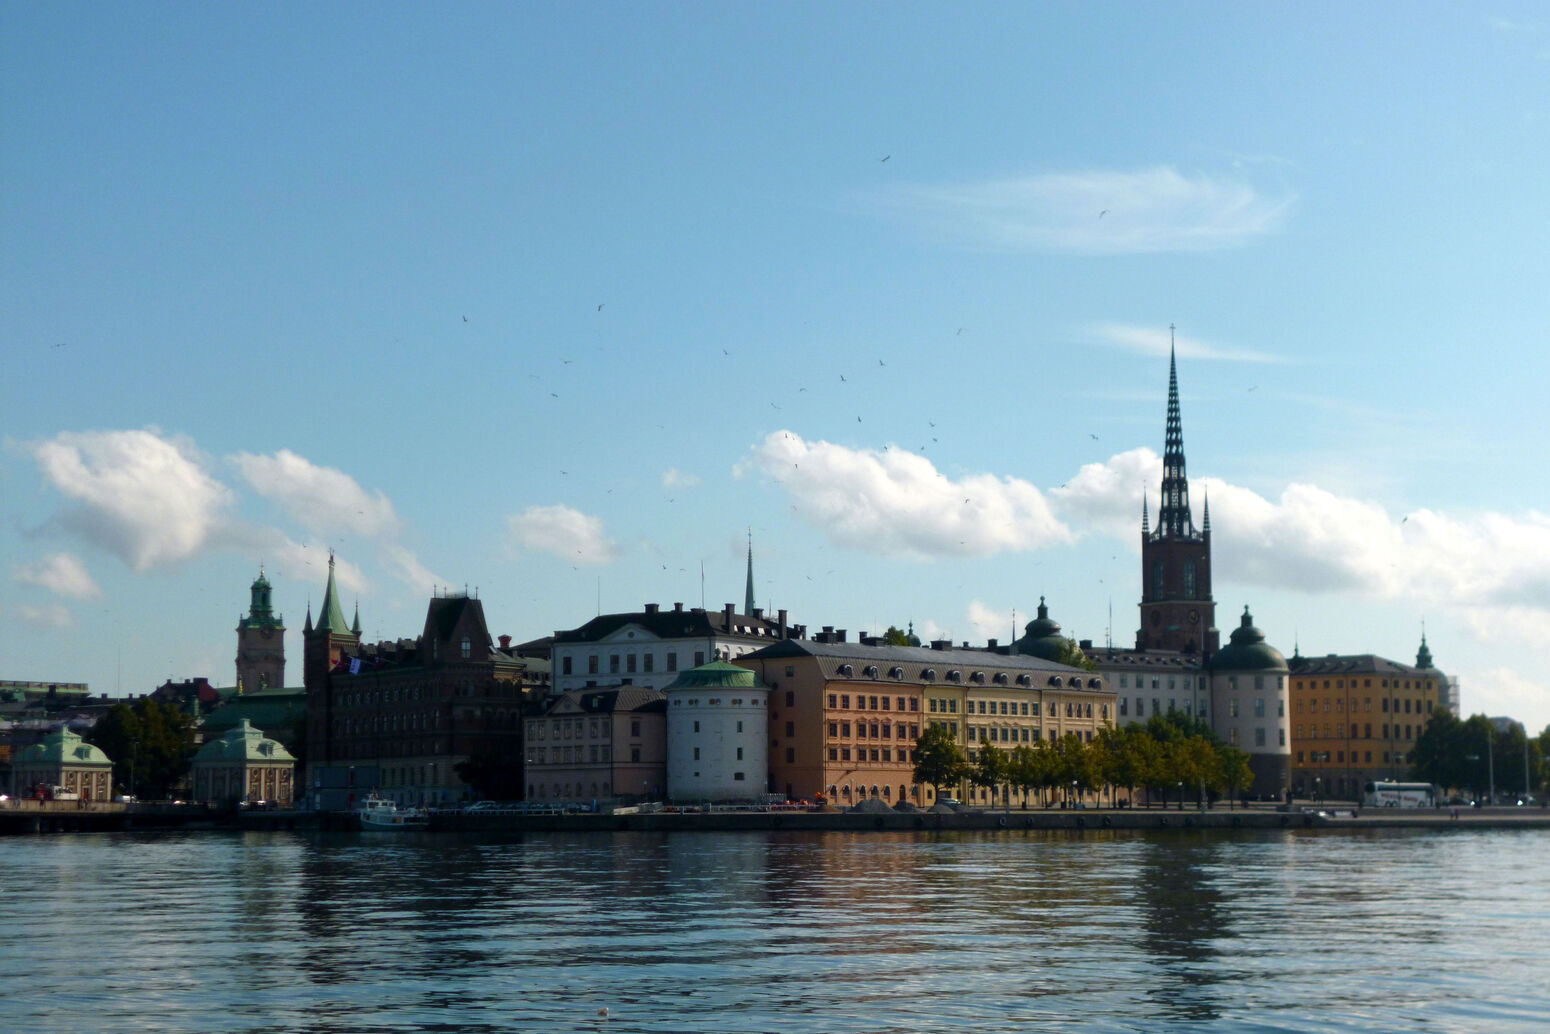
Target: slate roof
x=625, y=698
x=1356, y=664
x=912, y=663
x=673, y=624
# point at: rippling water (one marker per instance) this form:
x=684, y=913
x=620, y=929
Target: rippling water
x=787, y=932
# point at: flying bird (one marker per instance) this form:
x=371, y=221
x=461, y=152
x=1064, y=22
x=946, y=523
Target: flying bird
x=842, y=378
x=884, y=158
x=1092, y=436
x=1103, y=213
x=465, y=319
x=599, y=306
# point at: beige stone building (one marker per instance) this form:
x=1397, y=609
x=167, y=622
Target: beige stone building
x=63, y=759
x=593, y=744
x=244, y=765
x=844, y=717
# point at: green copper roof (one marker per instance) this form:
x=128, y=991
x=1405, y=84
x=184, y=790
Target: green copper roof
x=1248, y=650
x=243, y=743
x=716, y=674
x=1041, y=636
x=63, y=747
x=331, y=617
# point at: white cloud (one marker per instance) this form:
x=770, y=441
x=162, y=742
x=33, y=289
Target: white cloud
x=322, y=499
x=894, y=502
x=1502, y=691
x=564, y=532
x=50, y=615
x=138, y=494
x=675, y=478
x=62, y=574
x=1158, y=341
x=988, y=623
x=408, y=568
x=1106, y=496
x=1094, y=212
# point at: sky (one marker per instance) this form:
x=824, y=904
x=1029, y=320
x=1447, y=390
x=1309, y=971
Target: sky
x=560, y=303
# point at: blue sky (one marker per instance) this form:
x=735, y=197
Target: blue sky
x=557, y=301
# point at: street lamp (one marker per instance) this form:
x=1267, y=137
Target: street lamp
x=1181, y=795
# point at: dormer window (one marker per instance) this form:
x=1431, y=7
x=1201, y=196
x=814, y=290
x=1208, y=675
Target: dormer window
x=1054, y=680
x=929, y=674
x=846, y=671
x=871, y=671
x=896, y=673
x=1025, y=680
x=978, y=676
x=1001, y=678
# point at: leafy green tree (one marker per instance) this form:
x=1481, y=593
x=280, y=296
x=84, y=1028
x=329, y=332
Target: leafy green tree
x=1439, y=753
x=1025, y=767
x=939, y=761
x=1076, y=766
x=990, y=769
x=1234, y=776
x=151, y=744
x=1071, y=654
x=895, y=636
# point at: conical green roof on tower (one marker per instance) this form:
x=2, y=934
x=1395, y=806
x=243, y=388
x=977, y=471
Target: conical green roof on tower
x=331, y=616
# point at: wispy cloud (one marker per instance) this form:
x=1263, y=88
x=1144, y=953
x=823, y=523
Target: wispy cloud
x=675, y=478
x=49, y=616
x=563, y=532
x=62, y=574
x=321, y=499
x=1100, y=212
x=1157, y=340
x=893, y=502
x=139, y=494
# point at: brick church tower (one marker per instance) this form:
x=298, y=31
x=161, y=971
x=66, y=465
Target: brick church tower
x=1177, y=611
x=260, y=642
x=323, y=646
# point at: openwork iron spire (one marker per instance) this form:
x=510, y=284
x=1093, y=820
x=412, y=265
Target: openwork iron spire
x=748, y=592
x=1173, y=517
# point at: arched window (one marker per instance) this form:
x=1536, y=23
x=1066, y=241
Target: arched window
x=847, y=671
x=955, y=676
x=929, y=674
x=871, y=671
x=896, y=673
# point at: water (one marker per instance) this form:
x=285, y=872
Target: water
x=787, y=932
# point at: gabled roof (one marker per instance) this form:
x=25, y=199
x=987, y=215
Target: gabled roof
x=1356, y=664
x=673, y=624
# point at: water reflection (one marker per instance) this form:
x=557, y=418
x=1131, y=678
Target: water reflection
x=933, y=931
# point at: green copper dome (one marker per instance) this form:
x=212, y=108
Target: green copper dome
x=1248, y=650
x=63, y=747
x=243, y=743
x=1041, y=637
x=716, y=675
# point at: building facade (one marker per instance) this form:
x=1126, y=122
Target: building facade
x=844, y=717
x=1249, y=698
x=717, y=735
x=63, y=759
x=244, y=765
x=1355, y=719
x=650, y=647
x=595, y=744
x=398, y=717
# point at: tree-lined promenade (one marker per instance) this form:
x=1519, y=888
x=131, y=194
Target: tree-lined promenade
x=1167, y=758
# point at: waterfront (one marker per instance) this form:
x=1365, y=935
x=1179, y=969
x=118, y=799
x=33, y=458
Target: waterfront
x=790, y=931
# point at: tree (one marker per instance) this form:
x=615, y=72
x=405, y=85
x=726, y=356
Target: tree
x=990, y=770
x=1071, y=654
x=1025, y=767
x=896, y=636
x=1234, y=775
x=939, y=761
x=151, y=744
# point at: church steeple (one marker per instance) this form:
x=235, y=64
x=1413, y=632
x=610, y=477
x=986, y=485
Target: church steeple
x=331, y=615
x=1173, y=517
x=1423, y=656
x=355, y=626
x=748, y=591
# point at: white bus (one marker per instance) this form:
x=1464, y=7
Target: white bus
x=1399, y=795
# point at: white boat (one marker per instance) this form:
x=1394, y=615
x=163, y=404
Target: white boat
x=379, y=814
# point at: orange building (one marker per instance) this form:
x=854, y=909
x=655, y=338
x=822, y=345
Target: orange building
x=844, y=717
x=1355, y=719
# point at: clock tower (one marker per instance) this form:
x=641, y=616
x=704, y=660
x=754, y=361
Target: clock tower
x=1177, y=611
x=261, y=642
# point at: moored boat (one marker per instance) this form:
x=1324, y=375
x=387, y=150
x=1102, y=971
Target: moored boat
x=378, y=814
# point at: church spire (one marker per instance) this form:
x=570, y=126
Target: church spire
x=355, y=626
x=331, y=615
x=748, y=591
x=1173, y=517
x=1146, y=521
x=1206, y=518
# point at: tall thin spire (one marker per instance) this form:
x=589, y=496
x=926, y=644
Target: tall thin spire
x=1173, y=518
x=748, y=591
x=1205, y=523
x=331, y=615
x=1146, y=522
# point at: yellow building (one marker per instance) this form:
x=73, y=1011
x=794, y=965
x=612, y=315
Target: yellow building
x=844, y=717
x=1355, y=719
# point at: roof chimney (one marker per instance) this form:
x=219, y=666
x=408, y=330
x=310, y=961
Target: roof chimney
x=991, y=645
x=758, y=614
x=728, y=611
x=651, y=608
x=678, y=608
x=780, y=619
x=505, y=642
x=839, y=635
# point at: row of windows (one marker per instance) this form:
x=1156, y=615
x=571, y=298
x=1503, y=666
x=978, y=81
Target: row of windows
x=1124, y=707
x=592, y=755
x=879, y=754
x=1364, y=733
x=1141, y=682
x=1259, y=707
x=575, y=728
x=406, y=694
x=631, y=662
x=841, y=701
x=566, y=791
x=864, y=730
x=1339, y=705
x=1323, y=757
x=1259, y=737
x=1304, y=683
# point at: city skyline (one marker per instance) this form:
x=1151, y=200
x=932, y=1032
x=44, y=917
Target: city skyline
x=557, y=304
